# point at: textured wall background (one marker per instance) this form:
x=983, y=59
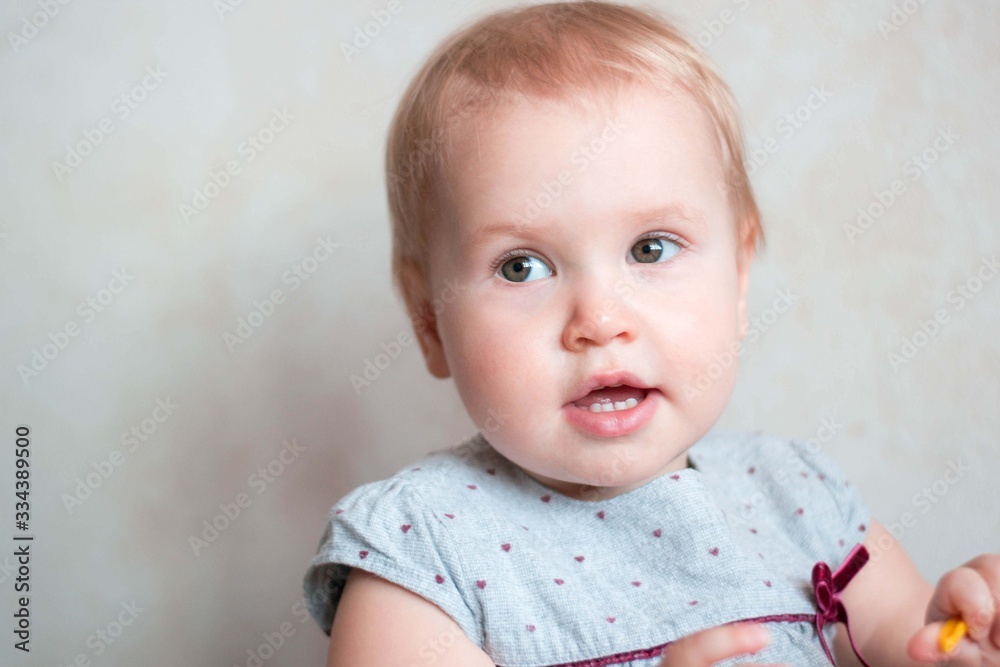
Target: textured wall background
x=199, y=78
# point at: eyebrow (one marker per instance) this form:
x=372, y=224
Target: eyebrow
x=671, y=213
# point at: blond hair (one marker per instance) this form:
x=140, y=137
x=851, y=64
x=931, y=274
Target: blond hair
x=559, y=50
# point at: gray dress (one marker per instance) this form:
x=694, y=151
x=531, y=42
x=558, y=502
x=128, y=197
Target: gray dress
x=536, y=578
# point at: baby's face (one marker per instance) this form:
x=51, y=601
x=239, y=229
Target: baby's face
x=582, y=249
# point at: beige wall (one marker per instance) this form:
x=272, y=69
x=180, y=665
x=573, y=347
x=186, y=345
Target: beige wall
x=159, y=334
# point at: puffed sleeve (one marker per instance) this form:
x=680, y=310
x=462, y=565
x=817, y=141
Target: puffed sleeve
x=386, y=528
x=848, y=521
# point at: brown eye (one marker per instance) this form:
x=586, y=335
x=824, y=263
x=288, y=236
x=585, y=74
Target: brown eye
x=647, y=250
x=523, y=269
x=652, y=250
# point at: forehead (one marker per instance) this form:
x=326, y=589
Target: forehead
x=535, y=160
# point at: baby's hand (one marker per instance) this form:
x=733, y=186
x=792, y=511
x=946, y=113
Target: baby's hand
x=972, y=592
x=705, y=648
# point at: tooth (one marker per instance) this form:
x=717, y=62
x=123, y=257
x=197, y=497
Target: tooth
x=608, y=406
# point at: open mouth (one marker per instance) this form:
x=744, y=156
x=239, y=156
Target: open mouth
x=612, y=399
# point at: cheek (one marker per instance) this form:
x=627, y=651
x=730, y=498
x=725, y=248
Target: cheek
x=482, y=343
x=474, y=340
x=697, y=332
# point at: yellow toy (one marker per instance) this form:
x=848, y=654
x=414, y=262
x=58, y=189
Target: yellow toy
x=952, y=633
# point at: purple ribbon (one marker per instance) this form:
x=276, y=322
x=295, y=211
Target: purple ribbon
x=827, y=587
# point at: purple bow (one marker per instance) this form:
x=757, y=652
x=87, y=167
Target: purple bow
x=827, y=588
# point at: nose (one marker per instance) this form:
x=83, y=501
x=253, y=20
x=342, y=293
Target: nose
x=599, y=315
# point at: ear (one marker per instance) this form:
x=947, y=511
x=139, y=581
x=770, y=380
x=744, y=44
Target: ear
x=746, y=254
x=423, y=319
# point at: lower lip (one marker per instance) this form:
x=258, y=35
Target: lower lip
x=615, y=423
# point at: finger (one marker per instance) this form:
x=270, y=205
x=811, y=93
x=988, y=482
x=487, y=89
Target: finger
x=924, y=647
x=710, y=646
x=963, y=592
x=988, y=567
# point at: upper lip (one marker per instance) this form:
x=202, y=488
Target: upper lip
x=607, y=379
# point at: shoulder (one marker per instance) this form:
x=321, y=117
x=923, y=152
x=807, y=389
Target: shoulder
x=796, y=482
x=390, y=528
x=415, y=486
x=766, y=456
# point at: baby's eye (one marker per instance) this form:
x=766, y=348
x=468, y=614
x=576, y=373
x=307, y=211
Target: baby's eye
x=523, y=268
x=655, y=249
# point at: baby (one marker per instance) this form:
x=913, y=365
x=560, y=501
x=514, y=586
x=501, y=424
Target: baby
x=573, y=230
